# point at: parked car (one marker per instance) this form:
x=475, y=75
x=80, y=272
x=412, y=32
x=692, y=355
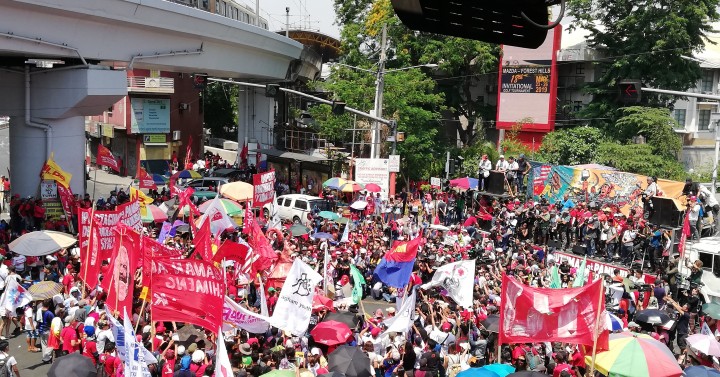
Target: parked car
x=295, y=207
x=204, y=184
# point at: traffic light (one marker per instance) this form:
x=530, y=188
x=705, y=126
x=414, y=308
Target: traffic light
x=199, y=80
x=630, y=91
x=272, y=90
x=338, y=107
x=451, y=168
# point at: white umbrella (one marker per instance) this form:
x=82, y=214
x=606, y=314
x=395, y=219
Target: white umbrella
x=705, y=344
x=439, y=227
x=359, y=205
x=40, y=243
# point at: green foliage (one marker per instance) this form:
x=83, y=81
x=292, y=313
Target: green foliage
x=656, y=124
x=639, y=159
x=643, y=40
x=571, y=146
x=472, y=156
x=511, y=144
x=220, y=109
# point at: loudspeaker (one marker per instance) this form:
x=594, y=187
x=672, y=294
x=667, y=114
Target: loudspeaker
x=579, y=249
x=665, y=213
x=495, y=183
x=554, y=244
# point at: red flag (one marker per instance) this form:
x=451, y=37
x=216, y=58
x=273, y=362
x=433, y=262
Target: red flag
x=67, y=199
x=202, y=241
x=151, y=249
x=264, y=254
x=188, y=154
x=244, y=154
x=683, y=237
x=249, y=219
x=187, y=290
x=184, y=199
x=231, y=251
x=106, y=158
x=90, y=258
x=549, y=315
x=120, y=281
x=145, y=181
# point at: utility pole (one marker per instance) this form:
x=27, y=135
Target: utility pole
x=287, y=22
x=379, y=86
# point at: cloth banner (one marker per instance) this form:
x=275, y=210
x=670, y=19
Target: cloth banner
x=294, y=305
x=202, y=240
x=264, y=184
x=52, y=171
x=232, y=251
x=120, y=282
x=235, y=316
x=106, y=158
x=223, y=368
x=684, y=235
x=90, y=259
x=14, y=296
x=457, y=279
x=403, y=321
x=145, y=181
x=67, y=199
x=187, y=290
x=153, y=249
x=248, y=220
x=135, y=363
x=126, y=213
x=569, y=315
x=607, y=188
x=219, y=219
x=263, y=255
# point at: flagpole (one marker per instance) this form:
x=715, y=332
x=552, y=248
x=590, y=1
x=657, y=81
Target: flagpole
x=325, y=262
x=87, y=250
x=597, y=325
x=142, y=309
x=94, y=183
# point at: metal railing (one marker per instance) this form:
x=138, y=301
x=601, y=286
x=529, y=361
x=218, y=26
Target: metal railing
x=151, y=84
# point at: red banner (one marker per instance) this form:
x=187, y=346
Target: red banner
x=187, y=290
x=151, y=249
x=264, y=188
x=120, y=281
x=569, y=315
x=106, y=158
x=683, y=237
x=67, y=199
x=145, y=181
x=127, y=213
x=90, y=258
x=232, y=251
x=264, y=253
x=202, y=243
x=249, y=219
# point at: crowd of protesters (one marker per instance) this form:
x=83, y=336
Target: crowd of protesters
x=505, y=234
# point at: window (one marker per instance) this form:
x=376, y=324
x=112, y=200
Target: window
x=580, y=69
x=706, y=85
x=301, y=205
x=679, y=115
x=577, y=106
x=279, y=201
x=287, y=202
x=217, y=6
x=703, y=120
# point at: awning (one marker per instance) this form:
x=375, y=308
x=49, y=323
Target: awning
x=289, y=155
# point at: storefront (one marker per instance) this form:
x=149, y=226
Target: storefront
x=299, y=171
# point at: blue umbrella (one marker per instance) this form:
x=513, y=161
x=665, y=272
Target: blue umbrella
x=501, y=370
x=477, y=372
x=701, y=371
x=159, y=179
x=322, y=235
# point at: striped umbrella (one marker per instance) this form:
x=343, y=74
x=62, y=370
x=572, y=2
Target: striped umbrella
x=636, y=355
x=613, y=323
x=334, y=183
x=186, y=174
x=154, y=215
x=232, y=208
x=41, y=242
x=351, y=186
x=44, y=290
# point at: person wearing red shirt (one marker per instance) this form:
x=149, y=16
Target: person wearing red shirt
x=168, y=364
x=578, y=360
x=70, y=341
x=89, y=345
x=561, y=364
x=110, y=362
x=69, y=279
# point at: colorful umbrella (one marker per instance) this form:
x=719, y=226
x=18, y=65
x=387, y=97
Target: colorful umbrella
x=636, y=355
x=466, y=183
x=41, y=242
x=501, y=370
x=331, y=333
x=701, y=371
x=613, y=323
x=322, y=236
x=232, y=208
x=373, y=187
x=329, y=215
x=44, y=290
x=477, y=372
x=351, y=186
x=159, y=179
x=239, y=191
x=334, y=183
x=186, y=174
x=712, y=309
x=299, y=230
x=705, y=344
x=154, y=215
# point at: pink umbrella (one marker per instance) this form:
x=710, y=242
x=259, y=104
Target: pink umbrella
x=372, y=187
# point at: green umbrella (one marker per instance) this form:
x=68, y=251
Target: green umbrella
x=332, y=216
x=712, y=309
x=299, y=230
x=342, y=220
x=279, y=373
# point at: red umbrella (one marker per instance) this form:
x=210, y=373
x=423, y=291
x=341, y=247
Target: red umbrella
x=331, y=333
x=322, y=302
x=372, y=187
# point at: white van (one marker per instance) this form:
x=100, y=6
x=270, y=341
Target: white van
x=707, y=250
x=295, y=207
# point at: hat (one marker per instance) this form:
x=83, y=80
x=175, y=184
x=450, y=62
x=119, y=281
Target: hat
x=502, y=156
x=315, y=351
x=375, y=331
x=633, y=324
x=271, y=289
x=391, y=310
x=146, y=329
x=192, y=348
x=160, y=328
x=181, y=350
x=245, y=349
x=446, y=326
x=198, y=356
x=378, y=313
x=90, y=331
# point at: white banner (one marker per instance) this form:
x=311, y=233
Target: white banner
x=135, y=365
x=373, y=170
x=235, y=316
x=15, y=296
x=435, y=182
x=404, y=318
x=294, y=305
x=457, y=279
x=223, y=368
x=219, y=219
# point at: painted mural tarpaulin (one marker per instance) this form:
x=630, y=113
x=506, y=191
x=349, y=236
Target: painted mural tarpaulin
x=607, y=188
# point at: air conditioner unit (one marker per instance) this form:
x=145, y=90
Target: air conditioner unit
x=177, y=135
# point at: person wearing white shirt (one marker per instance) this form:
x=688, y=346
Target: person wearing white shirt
x=484, y=171
x=502, y=165
x=693, y=217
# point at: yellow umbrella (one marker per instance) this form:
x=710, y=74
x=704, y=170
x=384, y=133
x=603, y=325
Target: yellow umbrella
x=238, y=191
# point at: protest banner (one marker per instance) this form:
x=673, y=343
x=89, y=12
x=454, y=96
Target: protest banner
x=235, y=316
x=264, y=185
x=294, y=305
x=106, y=158
x=187, y=290
x=126, y=213
x=120, y=282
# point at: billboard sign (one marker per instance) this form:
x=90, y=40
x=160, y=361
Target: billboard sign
x=373, y=170
x=150, y=116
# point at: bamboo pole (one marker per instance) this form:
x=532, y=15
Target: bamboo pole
x=596, y=331
x=87, y=250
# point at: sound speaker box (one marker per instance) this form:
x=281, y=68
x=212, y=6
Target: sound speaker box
x=579, y=249
x=495, y=183
x=665, y=213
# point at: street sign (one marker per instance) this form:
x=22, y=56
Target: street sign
x=435, y=182
x=394, y=163
x=630, y=91
x=153, y=138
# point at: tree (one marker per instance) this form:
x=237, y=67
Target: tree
x=644, y=40
x=571, y=146
x=220, y=109
x=656, y=124
x=639, y=159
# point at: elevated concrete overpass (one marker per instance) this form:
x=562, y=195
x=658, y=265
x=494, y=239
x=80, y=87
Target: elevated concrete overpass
x=93, y=42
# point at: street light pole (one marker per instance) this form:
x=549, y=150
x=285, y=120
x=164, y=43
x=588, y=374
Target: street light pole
x=379, y=87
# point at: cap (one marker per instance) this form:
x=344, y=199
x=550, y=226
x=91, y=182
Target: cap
x=375, y=331
x=198, y=356
x=181, y=350
x=245, y=349
x=192, y=348
x=633, y=324
x=502, y=156
x=391, y=310
x=315, y=351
